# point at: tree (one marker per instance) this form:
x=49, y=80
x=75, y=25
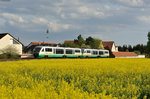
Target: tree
x=85, y=46
x=69, y=44
x=9, y=52
x=130, y=49
x=89, y=40
x=148, y=44
x=97, y=44
x=94, y=43
x=125, y=48
x=81, y=41
x=120, y=48
x=101, y=46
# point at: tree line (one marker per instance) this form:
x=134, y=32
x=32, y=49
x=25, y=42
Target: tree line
x=80, y=42
x=138, y=49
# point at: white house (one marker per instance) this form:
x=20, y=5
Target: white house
x=110, y=45
x=7, y=40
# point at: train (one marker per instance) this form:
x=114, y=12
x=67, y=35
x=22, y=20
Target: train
x=66, y=52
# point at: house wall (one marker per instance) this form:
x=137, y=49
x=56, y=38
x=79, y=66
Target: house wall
x=113, y=48
x=116, y=49
x=141, y=56
x=6, y=41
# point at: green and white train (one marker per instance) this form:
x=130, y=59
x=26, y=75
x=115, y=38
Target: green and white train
x=64, y=52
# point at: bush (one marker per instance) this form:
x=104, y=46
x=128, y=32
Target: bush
x=9, y=56
x=9, y=53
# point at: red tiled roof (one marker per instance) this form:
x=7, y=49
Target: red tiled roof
x=71, y=41
x=124, y=54
x=108, y=44
x=42, y=43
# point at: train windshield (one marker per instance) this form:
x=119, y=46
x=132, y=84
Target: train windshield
x=37, y=49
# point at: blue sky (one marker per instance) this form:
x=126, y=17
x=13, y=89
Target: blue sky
x=122, y=21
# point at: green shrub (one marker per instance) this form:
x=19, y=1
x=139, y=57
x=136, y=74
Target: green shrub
x=9, y=53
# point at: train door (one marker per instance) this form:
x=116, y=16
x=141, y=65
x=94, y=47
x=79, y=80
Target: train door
x=59, y=52
x=69, y=52
x=101, y=53
x=77, y=52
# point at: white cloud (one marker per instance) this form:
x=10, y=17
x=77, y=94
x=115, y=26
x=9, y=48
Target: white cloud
x=107, y=7
x=83, y=9
x=39, y=20
x=22, y=9
x=73, y=15
x=98, y=13
x=86, y=12
x=131, y=2
x=13, y=17
x=145, y=19
x=56, y=27
x=2, y=22
x=62, y=16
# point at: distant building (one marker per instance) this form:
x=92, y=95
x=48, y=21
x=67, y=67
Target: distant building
x=70, y=41
x=7, y=40
x=110, y=45
x=32, y=45
x=125, y=55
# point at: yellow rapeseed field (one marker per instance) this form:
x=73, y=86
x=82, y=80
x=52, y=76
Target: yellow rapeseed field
x=75, y=79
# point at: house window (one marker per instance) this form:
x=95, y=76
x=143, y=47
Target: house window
x=12, y=41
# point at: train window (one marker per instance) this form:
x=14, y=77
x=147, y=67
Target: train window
x=101, y=53
x=88, y=51
x=69, y=51
x=77, y=51
x=48, y=49
x=106, y=52
x=94, y=52
x=59, y=51
x=42, y=50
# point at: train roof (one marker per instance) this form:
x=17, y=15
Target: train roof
x=55, y=47
x=96, y=49
x=48, y=47
x=103, y=50
x=70, y=48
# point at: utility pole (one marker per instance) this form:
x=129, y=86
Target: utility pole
x=47, y=32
